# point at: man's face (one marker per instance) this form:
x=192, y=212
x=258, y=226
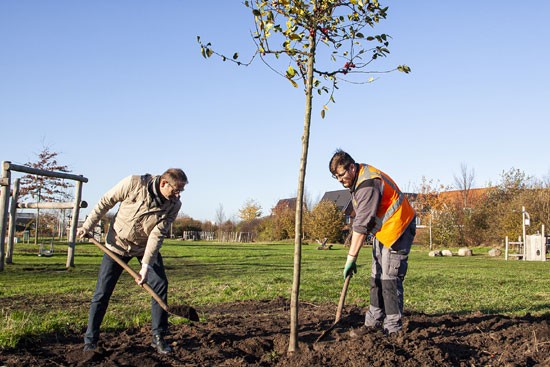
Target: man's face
x=170, y=190
x=345, y=176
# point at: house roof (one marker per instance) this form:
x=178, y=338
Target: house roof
x=341, y=198
x=286, y=204
x=473, y=194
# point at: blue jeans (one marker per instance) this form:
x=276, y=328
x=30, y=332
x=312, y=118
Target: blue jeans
x=389, y=267
x=109, y=272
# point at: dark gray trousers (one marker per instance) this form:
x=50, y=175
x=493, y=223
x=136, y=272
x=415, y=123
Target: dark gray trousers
x=389, y=267
x=109, y=273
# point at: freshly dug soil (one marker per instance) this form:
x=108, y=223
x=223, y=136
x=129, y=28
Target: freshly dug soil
x=255, y=333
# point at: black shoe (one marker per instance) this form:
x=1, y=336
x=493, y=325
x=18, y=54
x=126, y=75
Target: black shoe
x=160, y=345
x=357, y=333
x=90, y=347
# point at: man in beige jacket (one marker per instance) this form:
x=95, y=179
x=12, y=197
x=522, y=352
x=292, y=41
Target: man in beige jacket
x=148, y=207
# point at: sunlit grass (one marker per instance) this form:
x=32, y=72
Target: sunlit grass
x=38, y=295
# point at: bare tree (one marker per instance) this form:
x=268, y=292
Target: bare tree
x=43, y=188
x=464, y=183
x=220, y=218
x=220, y=215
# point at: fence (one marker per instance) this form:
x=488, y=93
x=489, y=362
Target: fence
x=219, y=236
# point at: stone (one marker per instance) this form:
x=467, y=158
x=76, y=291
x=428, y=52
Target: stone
x=446, y=253
x=495, y=252
x=464, y=251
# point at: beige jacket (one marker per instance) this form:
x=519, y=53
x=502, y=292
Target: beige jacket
x=139, y=227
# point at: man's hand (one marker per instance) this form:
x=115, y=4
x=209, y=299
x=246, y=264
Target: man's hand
x=143, y=274
x=350, y=267
x=81, y=233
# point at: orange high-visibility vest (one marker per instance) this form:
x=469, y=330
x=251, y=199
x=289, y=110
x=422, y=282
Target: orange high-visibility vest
x=394, y=213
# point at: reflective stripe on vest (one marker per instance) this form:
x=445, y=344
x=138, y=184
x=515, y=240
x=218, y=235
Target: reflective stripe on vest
x=394, y=213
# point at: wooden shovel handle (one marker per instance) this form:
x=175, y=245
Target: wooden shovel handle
x=135, y=275
x=339, y=311
x=342, y=299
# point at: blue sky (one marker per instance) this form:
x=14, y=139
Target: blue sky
x=119, y=88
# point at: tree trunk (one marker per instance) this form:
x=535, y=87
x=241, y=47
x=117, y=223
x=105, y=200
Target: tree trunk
x=294, y=299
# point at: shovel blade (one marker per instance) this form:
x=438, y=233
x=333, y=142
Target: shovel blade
x=325, y=332
x=185, y=311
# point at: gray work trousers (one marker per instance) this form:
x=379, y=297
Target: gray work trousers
x=389, y=267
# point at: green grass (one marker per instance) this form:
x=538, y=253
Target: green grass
x=38, y=295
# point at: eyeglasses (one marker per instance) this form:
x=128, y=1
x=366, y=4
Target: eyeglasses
x=175, y=188
x=339, y=176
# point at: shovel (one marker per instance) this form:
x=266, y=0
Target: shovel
x=339, y=310
x=185, y=311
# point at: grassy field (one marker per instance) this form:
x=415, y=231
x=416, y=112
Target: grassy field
x=38, y=295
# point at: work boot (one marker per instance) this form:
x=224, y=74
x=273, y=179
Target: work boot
x=160, y=345
x=90, y=347
x=357, y=333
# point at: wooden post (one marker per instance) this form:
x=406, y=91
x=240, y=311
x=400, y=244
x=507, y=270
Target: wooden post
x=74, y=224
x=523, y=212
x=4, y=201
x=52, y=205
x=13, y=219
x=506, y=249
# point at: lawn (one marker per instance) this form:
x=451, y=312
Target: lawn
x=38, y=295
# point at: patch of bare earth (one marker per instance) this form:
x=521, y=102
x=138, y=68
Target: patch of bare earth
x=255, y=333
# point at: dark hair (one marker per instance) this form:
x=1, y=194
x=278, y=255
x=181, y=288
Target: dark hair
x=340, y=158
x=175, y=176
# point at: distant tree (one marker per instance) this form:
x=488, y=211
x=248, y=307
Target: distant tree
x=325, y=220
x=505, y=202
x=250, y=226
x=228, y=226
x=429, y=204
x=284, y=223
x=477, y=225
x=220, y=215
x=265, y=229
x=220, y=218
x=464, y=183
x=323, y=42
x=250, y=211
x=445, y=231
x=185, y=223
x=208, y=226
x=538, y=202
x=43, y=188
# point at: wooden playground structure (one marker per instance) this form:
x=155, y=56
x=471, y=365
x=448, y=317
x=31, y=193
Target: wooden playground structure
x=527, y=247
x=8, y=209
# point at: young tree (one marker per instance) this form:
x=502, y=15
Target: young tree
x=326, y=220
x=250, y=211
x=43, y=188
x=284, y=223
x=323, y=42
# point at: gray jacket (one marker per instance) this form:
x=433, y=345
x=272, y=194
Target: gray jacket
x=140, y=226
